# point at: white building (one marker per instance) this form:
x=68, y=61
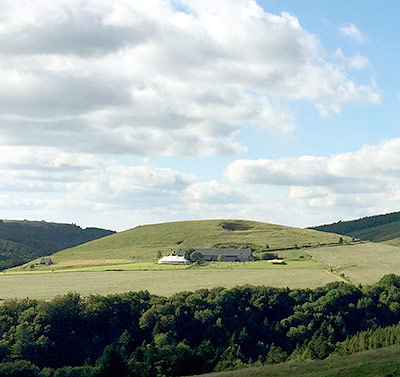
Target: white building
x=173, y=259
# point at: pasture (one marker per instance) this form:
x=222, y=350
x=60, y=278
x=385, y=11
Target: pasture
x=121, y=265
x=362, y=263
x=47, y=285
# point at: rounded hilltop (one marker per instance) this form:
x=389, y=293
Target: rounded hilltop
x=142, y=243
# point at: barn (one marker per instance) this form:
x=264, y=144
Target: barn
x=173, y=259
x=226, y=254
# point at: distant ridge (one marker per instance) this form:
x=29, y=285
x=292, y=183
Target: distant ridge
x=22, y=240
x=379, y=228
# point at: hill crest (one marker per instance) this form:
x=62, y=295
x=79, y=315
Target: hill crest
x=144, y=242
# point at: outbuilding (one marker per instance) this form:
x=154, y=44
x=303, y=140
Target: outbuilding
x=173, y=259
x=277, y=261
x=46, y=261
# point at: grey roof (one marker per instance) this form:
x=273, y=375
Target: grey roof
x=225, y=251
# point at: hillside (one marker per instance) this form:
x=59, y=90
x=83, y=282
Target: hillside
x=381, y=362
x=21, y=241
x=141, y=244
x=380, y=228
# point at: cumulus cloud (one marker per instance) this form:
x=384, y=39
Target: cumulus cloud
x=357, y=62
x=214, y=193
x=376, y=163
x=367, y=178
x=353, y=32
x=40, y=182
x=50, y=177
x=160, y=77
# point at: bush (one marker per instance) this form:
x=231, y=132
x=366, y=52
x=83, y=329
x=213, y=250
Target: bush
x=269, y=256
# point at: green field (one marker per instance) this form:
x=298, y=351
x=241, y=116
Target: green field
x=305, y=268
x=127, y=261
x=382, y=362
x=361, y=264
x=290, y=263
x=162, y=282
x=141, y=244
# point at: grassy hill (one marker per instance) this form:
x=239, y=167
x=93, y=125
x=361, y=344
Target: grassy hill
x=21, y=241
x=142, y=243
x=380, y=228
x=382, y=362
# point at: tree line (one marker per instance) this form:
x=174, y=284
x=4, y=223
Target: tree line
x=139, y=334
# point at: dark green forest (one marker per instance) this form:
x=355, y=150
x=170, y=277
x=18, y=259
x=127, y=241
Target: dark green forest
x=22, y=241
x=138, y=334
x=372, y=228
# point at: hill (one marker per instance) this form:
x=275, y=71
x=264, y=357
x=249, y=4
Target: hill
x=142, y=244
x=381, y=362
x=21, y=241
x=379, y=228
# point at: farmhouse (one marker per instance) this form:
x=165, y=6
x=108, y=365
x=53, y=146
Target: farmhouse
x=46, y=261
x=173, y=259
x=227, y=254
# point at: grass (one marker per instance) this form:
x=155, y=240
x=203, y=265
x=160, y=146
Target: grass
x=162, y=282
x=151, y=266
x=382, y=362
x=380, y=233
x=305, y=268
x=362, y=264
x=141, y=244
x=393, y=242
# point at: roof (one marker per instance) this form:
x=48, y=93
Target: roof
x=225, y=251
x=173, y=258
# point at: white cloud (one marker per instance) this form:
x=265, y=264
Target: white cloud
x=214, y=193
x=353, y=32
x=52, y=177
x=146, y=78
x=370, y=166
x=324, y=189
x=358, y=62
x=366, y=180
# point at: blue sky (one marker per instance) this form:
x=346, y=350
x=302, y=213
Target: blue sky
x=117, y=113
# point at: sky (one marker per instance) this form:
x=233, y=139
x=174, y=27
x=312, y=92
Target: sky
x=120, y=113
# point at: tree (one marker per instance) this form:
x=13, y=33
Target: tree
x=111, y=363
x=196, y=257
x=18, y=368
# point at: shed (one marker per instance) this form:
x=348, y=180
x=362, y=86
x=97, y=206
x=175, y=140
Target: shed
x=46, y=261
x=173, y=259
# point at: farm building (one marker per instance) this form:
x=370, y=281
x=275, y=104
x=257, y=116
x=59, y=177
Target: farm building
x=277, y=261
x=46, y=261
x=227, y=254
x=173, y=259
